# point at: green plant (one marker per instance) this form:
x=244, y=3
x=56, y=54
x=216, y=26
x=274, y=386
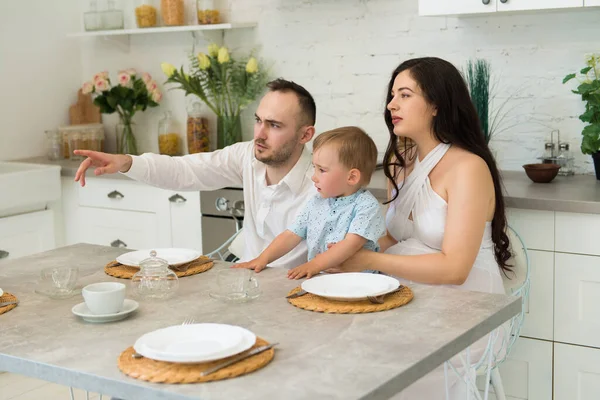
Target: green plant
x=589, y=90
x=227, y=85
x=478, y=76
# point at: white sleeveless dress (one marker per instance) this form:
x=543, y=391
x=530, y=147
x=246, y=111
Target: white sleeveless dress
x=424, y=235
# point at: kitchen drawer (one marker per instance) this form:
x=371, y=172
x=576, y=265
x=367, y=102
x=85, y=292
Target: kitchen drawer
x=26, y=234
x=577, y=233
x=539, y=308
x=576, y=372
x=577, y=299
x=134, y=230
x=120, y=195
x=535, y=227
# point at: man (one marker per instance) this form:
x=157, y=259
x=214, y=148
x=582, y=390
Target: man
x=275, y=169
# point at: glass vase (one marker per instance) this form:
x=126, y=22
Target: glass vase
x=126, y=143
x=229, y=130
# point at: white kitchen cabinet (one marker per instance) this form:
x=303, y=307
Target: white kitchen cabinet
x=535, y=227
x=455, y=7
x=577, y=299
x=539, y=308
x=527, y=372
x=576, y=372
x=577, y=233
x=591, y=3
x=122, y=212
x=523, y=5
x=26, y=234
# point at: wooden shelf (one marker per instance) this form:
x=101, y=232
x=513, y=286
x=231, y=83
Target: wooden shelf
x=164, y=29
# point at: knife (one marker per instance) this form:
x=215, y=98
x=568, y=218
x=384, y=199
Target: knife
x=238, y=359
x=297, y=294
x=8, y=303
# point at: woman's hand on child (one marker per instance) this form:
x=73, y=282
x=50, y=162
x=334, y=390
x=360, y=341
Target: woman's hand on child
x=257, y=265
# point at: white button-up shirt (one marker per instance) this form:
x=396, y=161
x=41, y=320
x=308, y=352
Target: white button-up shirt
x=268, y=209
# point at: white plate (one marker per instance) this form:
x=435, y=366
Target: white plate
x=194, y=343
x=350, y=286
x=81, y=310
x=172, y=256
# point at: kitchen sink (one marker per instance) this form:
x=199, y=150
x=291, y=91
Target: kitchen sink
x=27, y=187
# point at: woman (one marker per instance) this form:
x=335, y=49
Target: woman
x=446, y=222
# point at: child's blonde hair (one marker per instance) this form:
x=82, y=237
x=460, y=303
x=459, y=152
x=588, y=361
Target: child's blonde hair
x=355, y=148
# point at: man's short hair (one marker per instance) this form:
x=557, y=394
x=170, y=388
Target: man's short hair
x=308, y=108
x=355, y=147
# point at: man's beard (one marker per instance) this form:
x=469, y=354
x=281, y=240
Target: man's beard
x=276, y=158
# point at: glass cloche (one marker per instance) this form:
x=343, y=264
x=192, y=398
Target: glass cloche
x=154, y=281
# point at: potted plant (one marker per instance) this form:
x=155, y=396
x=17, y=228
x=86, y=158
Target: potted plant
x=478, y=74
x=134, y=92
x=589, y=90
x=225, y=84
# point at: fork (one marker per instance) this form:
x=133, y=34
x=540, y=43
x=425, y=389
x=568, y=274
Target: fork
x=187, y=321
x=380, y=299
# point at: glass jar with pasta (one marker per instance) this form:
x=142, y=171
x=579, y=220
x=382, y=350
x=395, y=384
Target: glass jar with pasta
x=146, y=14
x=207, y=12
x=198, y=140
x=172, y=12
x=168, y=138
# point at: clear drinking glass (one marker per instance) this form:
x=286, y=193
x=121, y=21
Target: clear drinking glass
x=236, y=285
x=58, y=282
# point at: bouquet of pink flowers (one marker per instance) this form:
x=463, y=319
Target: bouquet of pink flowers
x=134, y=92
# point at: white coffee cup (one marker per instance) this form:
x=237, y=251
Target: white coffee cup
x=104, y=298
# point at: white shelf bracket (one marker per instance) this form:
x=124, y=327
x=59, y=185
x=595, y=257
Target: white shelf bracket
x=120, y=41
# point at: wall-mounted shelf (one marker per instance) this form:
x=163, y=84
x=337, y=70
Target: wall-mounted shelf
x=164, y=29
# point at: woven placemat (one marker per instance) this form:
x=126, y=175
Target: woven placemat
x=165, y=372
x=313, y=302
x=200, y=264
x=7, y=297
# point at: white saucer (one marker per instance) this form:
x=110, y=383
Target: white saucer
x=82, y=311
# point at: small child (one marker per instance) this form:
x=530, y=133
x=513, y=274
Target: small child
x=342, y=212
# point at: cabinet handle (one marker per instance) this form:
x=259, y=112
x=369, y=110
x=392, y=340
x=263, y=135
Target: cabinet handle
x=3, y=254
x=115, y=195
x=486, y=2
x=177, y=198
x=118, y=243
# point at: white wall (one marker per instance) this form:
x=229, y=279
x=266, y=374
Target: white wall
x=344, y=51
x=40, y=70
x=341, y=51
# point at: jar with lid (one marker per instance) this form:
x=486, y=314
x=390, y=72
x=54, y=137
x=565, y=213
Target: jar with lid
x=172, y=12
x=112, y=18
x=146, y=13
x=168, y=138
x=154, y=280
x=197, y=131
x=92, y=19
x=565, y=160
x=55, y=144
x=207, y=12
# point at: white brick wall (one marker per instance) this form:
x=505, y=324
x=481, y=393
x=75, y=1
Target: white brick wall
x=343, y=52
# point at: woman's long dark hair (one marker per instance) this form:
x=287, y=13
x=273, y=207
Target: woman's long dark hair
x=456, y=122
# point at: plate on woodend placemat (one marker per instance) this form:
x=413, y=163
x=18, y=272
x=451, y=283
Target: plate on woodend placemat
x=316, y=303
x=166, y=372
x=7, y=297
x=201, y=264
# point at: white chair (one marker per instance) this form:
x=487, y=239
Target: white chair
x=224, y=252
x=516, y=284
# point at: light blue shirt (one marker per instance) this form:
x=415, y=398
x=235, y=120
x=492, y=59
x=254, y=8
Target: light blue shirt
x=324, y=221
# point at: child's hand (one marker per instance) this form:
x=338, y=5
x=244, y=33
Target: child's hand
x=307, y=270
x=257, y=265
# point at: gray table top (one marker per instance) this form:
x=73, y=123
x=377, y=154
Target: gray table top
x=319, y=355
